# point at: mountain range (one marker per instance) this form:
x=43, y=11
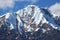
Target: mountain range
x=30, y=23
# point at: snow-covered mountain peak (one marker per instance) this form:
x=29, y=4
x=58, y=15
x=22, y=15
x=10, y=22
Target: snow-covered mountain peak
x=31, y=6
x=31, y=22
x=3, y=18
x=31, y=15
x=5, y=15
x=37, y=14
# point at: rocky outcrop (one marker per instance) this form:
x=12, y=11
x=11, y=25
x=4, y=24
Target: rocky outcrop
x=57, y=19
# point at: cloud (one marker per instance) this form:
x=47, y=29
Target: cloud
x=6, y=3
x=55, y=9
x=10, y=3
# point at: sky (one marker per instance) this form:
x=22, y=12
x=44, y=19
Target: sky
x=15, y=5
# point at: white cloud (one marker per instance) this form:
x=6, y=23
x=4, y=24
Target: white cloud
x=6, y=3
x=55, y=9
x=10, y=3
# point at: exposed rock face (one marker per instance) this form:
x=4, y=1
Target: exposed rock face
x=46, y=32
x=30, y=23
x=57, y=19
x=2, y=19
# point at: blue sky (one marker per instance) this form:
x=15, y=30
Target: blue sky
x=15, y=5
